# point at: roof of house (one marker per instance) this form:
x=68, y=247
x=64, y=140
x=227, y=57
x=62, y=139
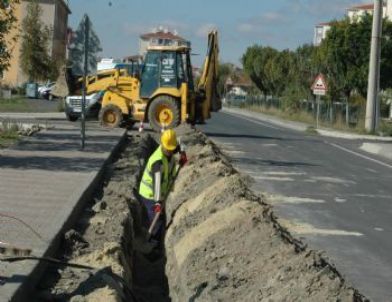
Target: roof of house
x=239, y=79
x=66, y=4
x=162, y=35
x=362, y=7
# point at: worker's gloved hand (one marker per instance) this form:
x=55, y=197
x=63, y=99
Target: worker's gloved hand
x=157, y=208
x=183, y=159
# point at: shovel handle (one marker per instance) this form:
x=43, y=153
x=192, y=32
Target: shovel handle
x=154, y=222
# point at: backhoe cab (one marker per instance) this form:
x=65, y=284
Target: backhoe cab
x=164, y=93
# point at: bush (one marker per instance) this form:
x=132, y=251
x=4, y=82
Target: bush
x=386, y=128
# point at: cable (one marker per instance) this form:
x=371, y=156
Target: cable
x=77, y=266
x=24, y=223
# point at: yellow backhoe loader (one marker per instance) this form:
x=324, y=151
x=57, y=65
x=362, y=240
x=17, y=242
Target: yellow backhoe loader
x=163, y=92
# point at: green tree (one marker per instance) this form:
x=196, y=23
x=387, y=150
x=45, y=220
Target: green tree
x=7, y=23
x=225, y=70
x=257, y=63
x=36, y=61
x=344, y=56
x=76, y=54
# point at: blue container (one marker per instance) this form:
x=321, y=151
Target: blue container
x=32, y=90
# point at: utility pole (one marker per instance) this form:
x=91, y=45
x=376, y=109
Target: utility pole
x=85, y=73
x=372, y=105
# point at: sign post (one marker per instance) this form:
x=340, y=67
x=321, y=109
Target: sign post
x=319, y=88
x=85, y=73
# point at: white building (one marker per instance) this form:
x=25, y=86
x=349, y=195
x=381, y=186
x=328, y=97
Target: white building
x=320, y=32
x=353, y=13
x=356, y=12
x=160, y=37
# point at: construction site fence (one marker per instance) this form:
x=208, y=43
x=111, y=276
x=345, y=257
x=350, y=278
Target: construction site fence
x=336, y=112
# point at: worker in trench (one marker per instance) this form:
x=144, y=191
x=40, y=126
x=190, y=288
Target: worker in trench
x=158, y=179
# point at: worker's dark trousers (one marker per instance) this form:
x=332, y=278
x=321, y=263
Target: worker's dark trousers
x=149, y=205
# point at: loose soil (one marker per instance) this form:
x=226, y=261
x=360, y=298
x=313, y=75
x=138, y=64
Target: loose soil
x=223, y=243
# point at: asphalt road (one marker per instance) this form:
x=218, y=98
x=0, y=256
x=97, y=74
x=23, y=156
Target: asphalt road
x=332, y=195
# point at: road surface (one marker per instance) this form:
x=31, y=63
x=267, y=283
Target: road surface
x=331, y=194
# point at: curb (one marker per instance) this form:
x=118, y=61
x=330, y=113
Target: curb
x=22, y=292
x=298, y=126
x=381, y=149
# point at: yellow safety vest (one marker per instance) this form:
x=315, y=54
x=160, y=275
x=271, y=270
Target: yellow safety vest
x=146, y=188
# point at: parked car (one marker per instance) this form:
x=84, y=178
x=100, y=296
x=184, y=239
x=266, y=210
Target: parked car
x=73, y=106
x=44, y=91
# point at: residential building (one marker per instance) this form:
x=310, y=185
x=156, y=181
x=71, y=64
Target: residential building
x=55, y=16
x=320, y=32
x=238, y=84
x=160, y=37
x=354, y=13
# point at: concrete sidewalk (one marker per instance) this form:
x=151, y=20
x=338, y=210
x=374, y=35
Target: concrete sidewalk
x=45, y=181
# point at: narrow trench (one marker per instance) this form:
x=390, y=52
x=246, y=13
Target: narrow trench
x=149, y=281
x=144, y=278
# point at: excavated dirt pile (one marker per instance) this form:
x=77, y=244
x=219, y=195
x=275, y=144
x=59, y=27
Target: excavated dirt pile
x=222, y=242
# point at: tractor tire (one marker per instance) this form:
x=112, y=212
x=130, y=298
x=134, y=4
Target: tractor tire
x=164, y=113
x=110, y=116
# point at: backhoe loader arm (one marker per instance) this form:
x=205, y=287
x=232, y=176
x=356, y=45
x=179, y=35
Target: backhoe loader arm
x=207, y=85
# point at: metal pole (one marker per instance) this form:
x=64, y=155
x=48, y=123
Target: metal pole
x=85, y=73
x=371, y=122
x=318, y=111
x=347, y=113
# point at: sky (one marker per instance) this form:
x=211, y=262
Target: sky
x=241, y=23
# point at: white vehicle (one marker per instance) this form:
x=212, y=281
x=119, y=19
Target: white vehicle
x=73, y=106
x=44, y=91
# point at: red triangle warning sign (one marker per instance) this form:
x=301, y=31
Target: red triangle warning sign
x=319, y=83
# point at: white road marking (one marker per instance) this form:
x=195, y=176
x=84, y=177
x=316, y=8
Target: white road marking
x=360, y=155
x=253, y=121
x=379, y=229
x=234, y=152
x=283, y=173
x=229, y=145
x=307, y=229
x=273, y=178
x=340, y=200
x=278, y=199
x=334, y=180
x=269, y=145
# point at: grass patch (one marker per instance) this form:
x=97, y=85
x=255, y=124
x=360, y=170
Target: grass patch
x=8, y=134
x=307, y=118
x=15, y=105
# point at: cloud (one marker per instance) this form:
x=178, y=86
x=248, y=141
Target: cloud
x=258, y=23
x=245, y=28
x=135, y=29
x=138, y=29
x=203, y=30
x=321, y=8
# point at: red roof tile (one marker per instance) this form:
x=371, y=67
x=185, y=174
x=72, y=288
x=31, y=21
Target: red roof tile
x=362, y=7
